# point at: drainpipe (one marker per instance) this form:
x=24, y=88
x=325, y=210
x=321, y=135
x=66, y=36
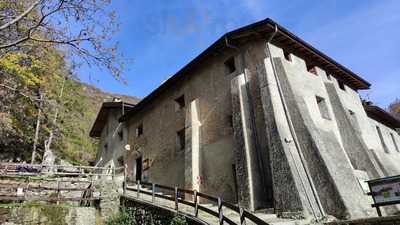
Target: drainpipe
x=293, y=133
x=252, y=119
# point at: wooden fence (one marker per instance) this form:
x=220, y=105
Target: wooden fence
x=14, y=169
x=34, y=173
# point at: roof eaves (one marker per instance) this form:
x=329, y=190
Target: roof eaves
x=105, y=106
x=220, y=41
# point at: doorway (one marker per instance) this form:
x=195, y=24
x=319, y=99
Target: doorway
x=139, y=168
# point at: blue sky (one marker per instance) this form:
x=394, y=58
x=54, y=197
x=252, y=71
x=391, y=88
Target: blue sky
x=162, y=36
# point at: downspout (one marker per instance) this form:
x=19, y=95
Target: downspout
x=293, y=133
x=253, y=122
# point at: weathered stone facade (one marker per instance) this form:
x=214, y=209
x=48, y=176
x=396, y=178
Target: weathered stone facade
x=111, y=133
x=260, y=122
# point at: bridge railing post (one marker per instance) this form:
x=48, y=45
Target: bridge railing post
x=241, y=215
x=153, y=193
x=124, y=182
x=220, y=212
x=138, y=188
x=196, y=204
x=176, y=198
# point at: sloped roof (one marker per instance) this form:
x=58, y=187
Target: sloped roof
x=262, y=29
x=381, y=115
x=102, y=116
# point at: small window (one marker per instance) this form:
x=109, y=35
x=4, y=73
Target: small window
x=384, y=146
x=323, y=108
x=342, y=85
x=139, y=130
x=311, y=68
x=180, y=139
x=287, y=56
x=230, y=66
x=121, y=135
x=395, y=143
x=105, y=147
x=180, y=102
x=230, y=120
x=120, y=161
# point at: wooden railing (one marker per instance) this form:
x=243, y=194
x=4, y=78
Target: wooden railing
x=10, y=192
x=196, y=197
x=35, y=174
x=24, y=169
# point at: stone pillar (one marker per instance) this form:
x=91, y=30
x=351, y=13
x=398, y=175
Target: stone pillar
x=110, y=197
x=292, y=188
x=249, y=181
x=192, y=150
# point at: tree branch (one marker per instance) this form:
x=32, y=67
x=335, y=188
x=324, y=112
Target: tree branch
x=21, y=16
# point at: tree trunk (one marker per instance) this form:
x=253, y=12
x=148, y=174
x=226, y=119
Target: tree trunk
x=35, y=141
x=48, y=157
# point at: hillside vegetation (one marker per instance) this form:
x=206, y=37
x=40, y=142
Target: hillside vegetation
x=394, y=108
x=23, y=79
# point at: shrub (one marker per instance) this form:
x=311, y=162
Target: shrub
x=124, y=217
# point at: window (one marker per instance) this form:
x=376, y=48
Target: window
x=180, y=102
x=230, y=66
x=311, y=68
x=121, y=135
x=180, y=139
x=323, y=108
x=395, y=143
x=385, y=148
x=230, y=120
x=287, y=56
x=139, y=130
x=353, y=120
x=342, y=85
x=105, y=147
x=120, y=161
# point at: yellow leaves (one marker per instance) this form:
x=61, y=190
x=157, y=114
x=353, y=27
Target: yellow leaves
x=26, y=69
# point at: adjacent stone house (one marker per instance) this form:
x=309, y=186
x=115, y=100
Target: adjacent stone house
x=263, y=119
x=111, y=134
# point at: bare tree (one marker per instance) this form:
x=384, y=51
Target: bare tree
x=82, y=28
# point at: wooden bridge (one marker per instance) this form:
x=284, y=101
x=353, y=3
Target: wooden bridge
x=50, y=179
x=189, y=202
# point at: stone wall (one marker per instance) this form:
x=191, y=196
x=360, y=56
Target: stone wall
x=155, y=213
x=33, y=214
x=112, y=141
x=394, y=220
x=164, y=161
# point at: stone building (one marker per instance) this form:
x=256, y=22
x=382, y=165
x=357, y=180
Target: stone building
x=111, y=134
x=263, y=119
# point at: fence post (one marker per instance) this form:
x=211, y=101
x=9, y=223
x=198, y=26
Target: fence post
x=176, y=198
x=153, y=193
x=138, y=188
x=113, y=173
x=220, y=212
x=124, y=183
x=58, y=192
x=196, y=204
x=242, y=218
